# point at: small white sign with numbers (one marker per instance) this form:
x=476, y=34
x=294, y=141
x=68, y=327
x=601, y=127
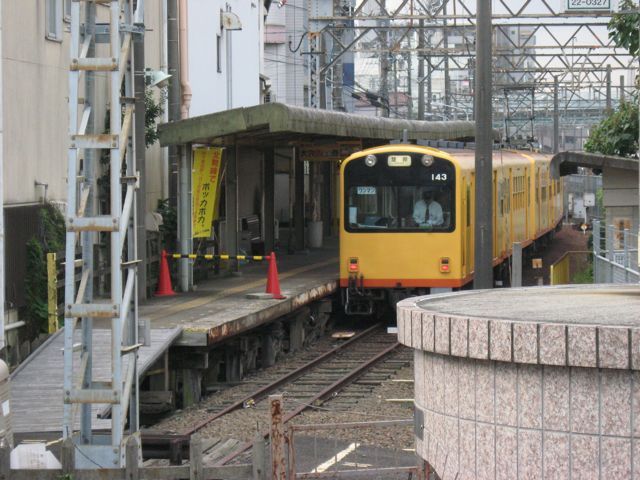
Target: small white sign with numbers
x=588, y=5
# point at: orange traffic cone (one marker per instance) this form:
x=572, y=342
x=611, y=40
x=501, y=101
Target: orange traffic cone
x=273, y=284
x=164, y=279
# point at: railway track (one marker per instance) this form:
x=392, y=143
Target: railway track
x=342, y=375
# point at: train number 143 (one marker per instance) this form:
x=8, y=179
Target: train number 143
x=439, y=177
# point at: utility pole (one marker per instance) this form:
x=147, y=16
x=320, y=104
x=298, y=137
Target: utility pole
x=1, y=201
x=384, y=62
x=483, y=276
x=421, y=70
x=409, y=78
x=447, y=80
x=608, y=99
x=429, y=85
x=556, y=116
x=141, y=149
x=173, y=60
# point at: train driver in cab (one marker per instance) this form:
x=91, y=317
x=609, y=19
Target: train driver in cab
x=427, y=212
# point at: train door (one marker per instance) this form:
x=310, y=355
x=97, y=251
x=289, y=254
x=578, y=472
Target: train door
x=464, y=220
x=496, y=248
x=510, y=236
x=470, y=223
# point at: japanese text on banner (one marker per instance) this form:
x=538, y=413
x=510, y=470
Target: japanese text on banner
x=205, y=179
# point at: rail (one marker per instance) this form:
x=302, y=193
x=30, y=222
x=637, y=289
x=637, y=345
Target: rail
x=322, y=395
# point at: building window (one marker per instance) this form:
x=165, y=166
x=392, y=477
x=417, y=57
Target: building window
x=53, y=15
x=67, y=11
x=219, y=53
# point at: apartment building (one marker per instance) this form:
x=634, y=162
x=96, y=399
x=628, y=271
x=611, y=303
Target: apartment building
x=34, y=62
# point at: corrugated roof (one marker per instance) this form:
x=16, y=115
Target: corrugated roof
x=274, y=123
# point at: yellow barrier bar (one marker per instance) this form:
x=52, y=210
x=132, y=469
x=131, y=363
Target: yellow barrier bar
x=559, y=271
x=52, y=292
x=208, y=257
x=176, y=255
x=257, y=257
x=224, y=257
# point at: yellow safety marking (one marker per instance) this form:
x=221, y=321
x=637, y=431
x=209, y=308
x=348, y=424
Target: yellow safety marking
x=240, y=257
x=199, y=302
x=224, y=257
x=208, y=256
x=192, y=256
x=176, y=255
x=257, y=257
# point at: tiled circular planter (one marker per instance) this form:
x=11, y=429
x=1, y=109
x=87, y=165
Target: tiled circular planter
x=522, y=383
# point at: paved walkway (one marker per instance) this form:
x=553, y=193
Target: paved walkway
x=36, y=386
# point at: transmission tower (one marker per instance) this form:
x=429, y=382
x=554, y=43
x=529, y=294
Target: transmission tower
x=84, y=390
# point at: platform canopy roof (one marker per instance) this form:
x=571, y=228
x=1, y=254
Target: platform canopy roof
x=567, y=163
x=276, y=124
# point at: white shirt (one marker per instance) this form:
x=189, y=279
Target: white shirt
x=435, y=213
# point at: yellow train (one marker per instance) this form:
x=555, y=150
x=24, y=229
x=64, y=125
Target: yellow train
x=407, y=219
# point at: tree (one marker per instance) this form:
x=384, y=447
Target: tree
x=623, y=27
x=617, y=134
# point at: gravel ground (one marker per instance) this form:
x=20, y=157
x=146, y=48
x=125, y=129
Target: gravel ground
x=244, y=423
x=372, y=408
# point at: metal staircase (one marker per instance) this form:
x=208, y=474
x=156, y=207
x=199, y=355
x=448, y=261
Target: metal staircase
x=119, y=312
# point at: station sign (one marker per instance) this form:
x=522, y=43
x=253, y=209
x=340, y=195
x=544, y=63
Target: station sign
x=316, y=152
x=588, y=5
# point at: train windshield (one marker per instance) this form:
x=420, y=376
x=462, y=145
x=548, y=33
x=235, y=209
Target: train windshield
x=399, y=193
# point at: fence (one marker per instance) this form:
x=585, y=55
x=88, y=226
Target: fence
x=365, y=461
x=194, y=471
x=572, y=267
x=615, y=255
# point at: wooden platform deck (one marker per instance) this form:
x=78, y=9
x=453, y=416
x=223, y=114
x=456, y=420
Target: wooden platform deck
x=36, y=386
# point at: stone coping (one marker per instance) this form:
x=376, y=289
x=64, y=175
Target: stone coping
x=601, y=327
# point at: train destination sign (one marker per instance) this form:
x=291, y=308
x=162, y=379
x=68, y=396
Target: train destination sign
x=588, y=5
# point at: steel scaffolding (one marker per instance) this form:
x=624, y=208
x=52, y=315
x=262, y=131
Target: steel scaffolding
x=119, y=311
x=533, y=44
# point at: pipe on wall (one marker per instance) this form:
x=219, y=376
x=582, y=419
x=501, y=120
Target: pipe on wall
x=184, y=60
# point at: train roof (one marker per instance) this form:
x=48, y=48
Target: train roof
x=465, y=158
x=507, y=158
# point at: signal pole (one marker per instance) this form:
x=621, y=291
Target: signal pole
x=483, y=277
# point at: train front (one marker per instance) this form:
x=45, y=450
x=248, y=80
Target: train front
x=397, y=226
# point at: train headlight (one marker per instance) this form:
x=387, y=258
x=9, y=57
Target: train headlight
x=370, y=160
x=427, y=160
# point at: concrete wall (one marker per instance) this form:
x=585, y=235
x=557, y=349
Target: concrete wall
x=620, y=196
x=208, y=85
x=34, y=104
x=511, y=395
x=35, y=108
x=155, y=58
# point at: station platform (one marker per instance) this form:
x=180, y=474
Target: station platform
x=220, y=307
x=216, y=310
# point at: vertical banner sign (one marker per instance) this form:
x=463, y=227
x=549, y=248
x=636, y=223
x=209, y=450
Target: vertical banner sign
x=205, y=177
